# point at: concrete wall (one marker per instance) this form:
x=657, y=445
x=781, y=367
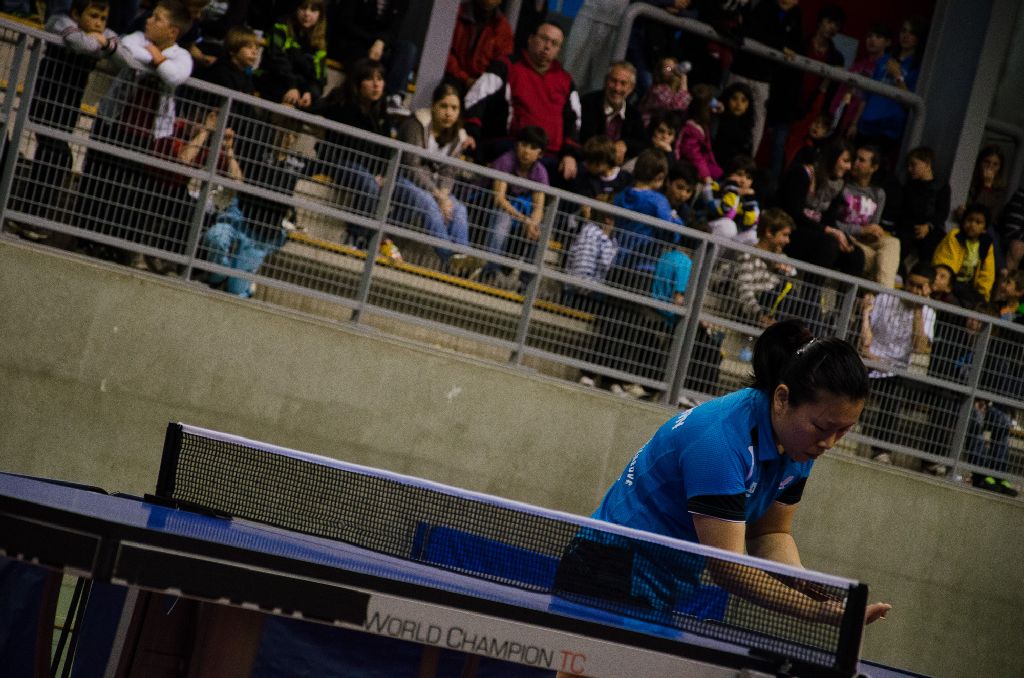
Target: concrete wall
x=95, y=361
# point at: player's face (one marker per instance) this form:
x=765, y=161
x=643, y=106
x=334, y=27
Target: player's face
x=810, y=429
x=92, y=19
x=445, y=111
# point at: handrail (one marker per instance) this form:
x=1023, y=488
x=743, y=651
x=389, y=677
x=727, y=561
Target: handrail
x=802, y=63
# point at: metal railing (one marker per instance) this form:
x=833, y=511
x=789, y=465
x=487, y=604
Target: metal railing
x=313, y=210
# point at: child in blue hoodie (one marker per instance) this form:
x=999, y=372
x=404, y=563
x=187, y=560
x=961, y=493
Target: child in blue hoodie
x=640, y=243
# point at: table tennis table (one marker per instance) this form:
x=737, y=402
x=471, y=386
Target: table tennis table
x=233, y=563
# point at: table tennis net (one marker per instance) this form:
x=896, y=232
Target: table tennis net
x=621, y=571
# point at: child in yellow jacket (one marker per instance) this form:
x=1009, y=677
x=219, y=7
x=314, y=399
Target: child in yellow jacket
x=969, y=252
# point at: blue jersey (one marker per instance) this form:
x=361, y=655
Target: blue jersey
x=724, y=447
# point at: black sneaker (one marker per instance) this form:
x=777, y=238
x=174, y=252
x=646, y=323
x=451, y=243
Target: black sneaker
x=1004, y=487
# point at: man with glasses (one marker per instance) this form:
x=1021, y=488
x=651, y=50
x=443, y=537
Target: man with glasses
x=529, y=89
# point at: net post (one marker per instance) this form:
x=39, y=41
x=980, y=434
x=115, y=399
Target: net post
x=851, y=630
x=169, y=459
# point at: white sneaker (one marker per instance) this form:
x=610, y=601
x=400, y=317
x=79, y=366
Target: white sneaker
x=617, y=390
x=937, y=470
x=587, y=381
x=883, y=458
x=396, y=106
x=635, y=390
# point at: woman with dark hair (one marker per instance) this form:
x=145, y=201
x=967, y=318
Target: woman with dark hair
x=734, y=134
x=425, y=187
x=694, y=142
x=352, y=162
x=730, y=472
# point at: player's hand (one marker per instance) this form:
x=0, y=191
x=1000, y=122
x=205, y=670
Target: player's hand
x=876, y=611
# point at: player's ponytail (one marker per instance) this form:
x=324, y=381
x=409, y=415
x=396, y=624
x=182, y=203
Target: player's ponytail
x=787, y=353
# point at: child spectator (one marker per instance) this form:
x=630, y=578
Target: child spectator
x=923, y=209
x=426, y=188
x=759, y=285
x=252, y=227
x=519, y=208
x=63, y=74
x=1011, y=289
x=663, y=131
x=601, y=175
x=482, y=35
x=669, y=92
x=942, y=285
x=640, y=243
x=294, y=70
x=988, y=185
x=881, y=119
x=680, y=189
x=733, y=207
x=848, y=100
x=816, y=136
x=591, y=255
x=735, y=132
x=694, y=143
x=136, y=112
x=858, y=211
x=234, y=71
x=967, y=250
x=892, y=328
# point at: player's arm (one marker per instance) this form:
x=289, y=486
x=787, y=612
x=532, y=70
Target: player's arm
x=753, y=584
x=771, y=537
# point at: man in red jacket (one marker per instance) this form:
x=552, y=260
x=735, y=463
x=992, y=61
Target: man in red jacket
x=531, y=88
x=482, y=35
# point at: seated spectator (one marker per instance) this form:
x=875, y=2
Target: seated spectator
x=518, y=208
x=63, y=74
x=1011, y=230
x=814, y=139
x=609, y=113
x=482, y=35
x=426, y=189
x=1009, y=295
x=530, y=89
x=252, y=228
x=190, y=39
x=892, y=328
x=137, y=112
x=370, y=29
x=848, y=100
x=662, y=132
x=857, y=213
x=601, y=175
x=733, y=207
x=806, y=192
x=760, y=286
x=988, y=188
x=669, y=91
x=356, y=164
x=735, y=132
x=924, y=206
x=640, y=243
x=680, y=189
x=590, y=257
x=882, y=119
x=967, y=250
x=293, y=71
x=694, y=142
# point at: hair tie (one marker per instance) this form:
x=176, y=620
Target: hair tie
x=803, y=348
